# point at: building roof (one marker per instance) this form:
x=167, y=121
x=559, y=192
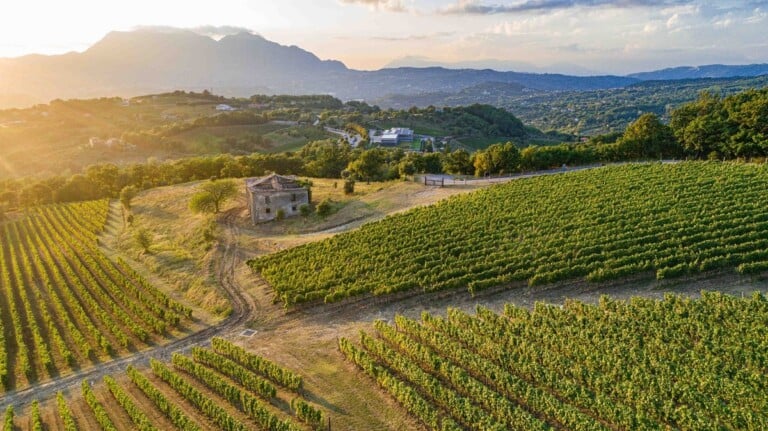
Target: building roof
x=398, y=131
x=272, y=182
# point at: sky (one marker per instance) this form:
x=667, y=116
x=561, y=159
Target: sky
x=566, y=36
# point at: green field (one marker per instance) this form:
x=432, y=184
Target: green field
x=663, y=220
x=640, y=365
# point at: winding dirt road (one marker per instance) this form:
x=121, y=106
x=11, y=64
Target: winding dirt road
x=243, y=309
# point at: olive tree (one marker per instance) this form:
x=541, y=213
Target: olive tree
x=211, y=195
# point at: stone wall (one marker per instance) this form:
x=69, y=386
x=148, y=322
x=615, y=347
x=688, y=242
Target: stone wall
x=264, y=205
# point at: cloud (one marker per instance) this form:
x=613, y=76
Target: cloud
x=474, y=7
x=414, y=37
x=650, y=27
x=758, y=16
x=673, y=21
x=385, y=5
x=676, y=15
x=724, y=21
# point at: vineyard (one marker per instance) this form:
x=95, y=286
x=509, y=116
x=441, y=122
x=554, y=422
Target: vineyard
x=600, y=224
x=223, y=387
x=64, y=304
x=688, y=364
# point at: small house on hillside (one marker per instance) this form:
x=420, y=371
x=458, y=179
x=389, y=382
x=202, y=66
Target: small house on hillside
x=267, y=195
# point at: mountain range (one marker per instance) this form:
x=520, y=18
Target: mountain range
x=149, y=61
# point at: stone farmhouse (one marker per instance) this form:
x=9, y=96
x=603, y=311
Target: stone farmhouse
x=267, y=195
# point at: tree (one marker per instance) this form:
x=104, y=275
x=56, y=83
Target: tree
x=648, y=137
x=126, y=195
x=481, y=160
x=497, y=159
x=458, y=162
x=325, y=159
x=349, y=186
x=700, y=126
x=369, y=166
x=212, y=195
x=305, y=210
x=144, y=239
x=324, y=208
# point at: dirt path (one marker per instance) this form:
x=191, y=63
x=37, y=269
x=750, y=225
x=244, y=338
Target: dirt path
x=243, y=308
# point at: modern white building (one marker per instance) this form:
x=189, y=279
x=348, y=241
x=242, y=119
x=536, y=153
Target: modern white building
x=392, y=137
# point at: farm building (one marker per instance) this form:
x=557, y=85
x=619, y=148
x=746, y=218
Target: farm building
x=267, y=195
x=391, y=137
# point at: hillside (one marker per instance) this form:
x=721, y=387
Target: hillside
x=684, y=218
x=238, y=65
x=80, y=133
x=581, y=112
x=706, y=71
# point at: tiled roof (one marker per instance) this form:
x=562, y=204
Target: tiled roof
x=272, y=182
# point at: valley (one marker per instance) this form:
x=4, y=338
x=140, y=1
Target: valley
x=219, y=228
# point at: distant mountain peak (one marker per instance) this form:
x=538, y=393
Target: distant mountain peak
x=238, y=62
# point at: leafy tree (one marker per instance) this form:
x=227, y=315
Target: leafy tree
x=349, y=186
x=144, y=239
x=699, y=126
x=432, y=163
x=648, y=137
x=305, y=210
x=458, y=162
x=126, y=195
x=325, y=159
x=369, y=166
x=212, y=195
x=324, y=208
x=105, y=178
x=496, y=159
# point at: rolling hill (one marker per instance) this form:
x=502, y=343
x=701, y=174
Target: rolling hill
x=151, y=60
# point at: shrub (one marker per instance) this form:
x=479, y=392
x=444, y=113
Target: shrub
x=143, y=238
x=349, y=187
x=324, y=208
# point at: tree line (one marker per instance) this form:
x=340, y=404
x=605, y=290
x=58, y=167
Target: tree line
x=711, y=127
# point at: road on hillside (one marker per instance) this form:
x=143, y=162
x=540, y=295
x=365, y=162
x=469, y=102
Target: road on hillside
x=243, y=308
